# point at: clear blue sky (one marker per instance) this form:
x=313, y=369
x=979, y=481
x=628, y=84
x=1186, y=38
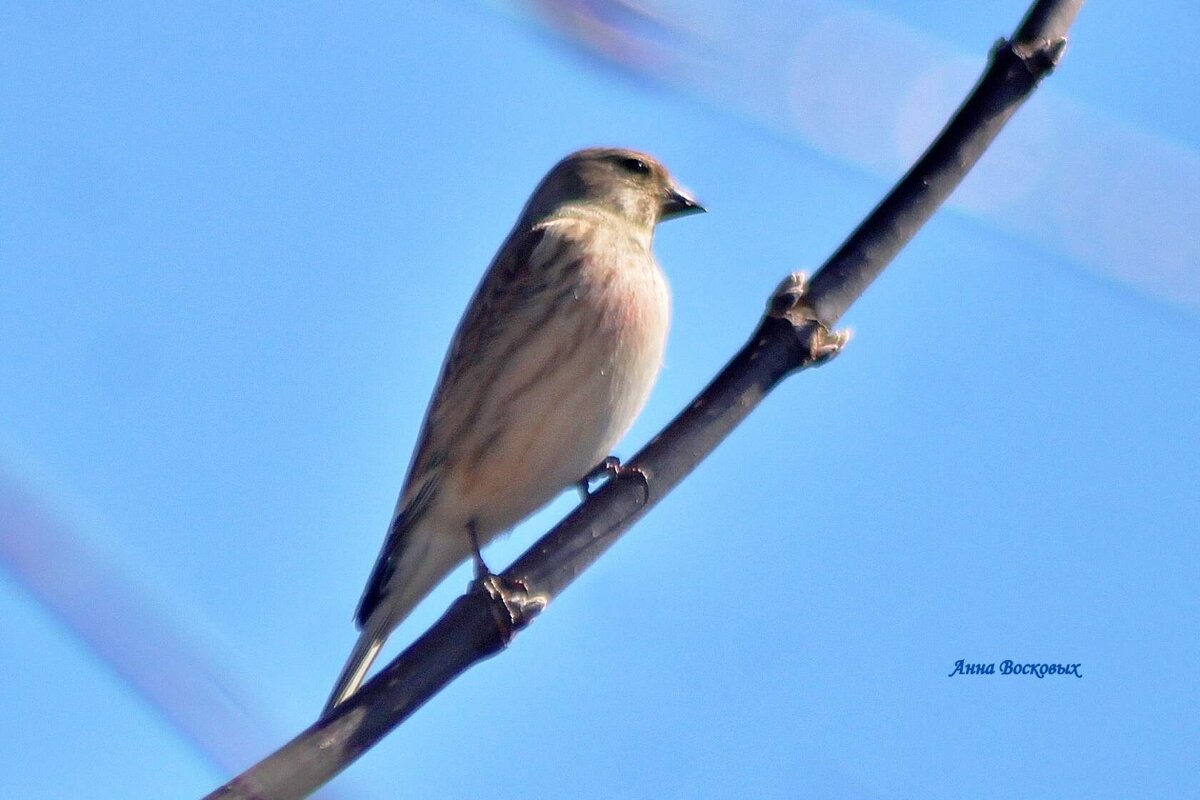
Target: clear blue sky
x=234, y=242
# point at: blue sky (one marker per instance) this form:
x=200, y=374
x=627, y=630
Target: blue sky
x=234, y=242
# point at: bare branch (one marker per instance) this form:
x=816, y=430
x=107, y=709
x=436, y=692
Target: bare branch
x=794, y=334
x=1016, y=66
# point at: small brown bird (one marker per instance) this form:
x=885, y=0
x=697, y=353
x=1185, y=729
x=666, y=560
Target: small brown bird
x=552, y=361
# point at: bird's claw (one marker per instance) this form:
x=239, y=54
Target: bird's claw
x=513, y=596
x=612, y=468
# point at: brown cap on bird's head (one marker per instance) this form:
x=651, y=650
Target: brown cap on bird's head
x=635, y=185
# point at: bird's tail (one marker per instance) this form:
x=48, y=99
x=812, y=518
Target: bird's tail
x=365, y=651
x=421, y=558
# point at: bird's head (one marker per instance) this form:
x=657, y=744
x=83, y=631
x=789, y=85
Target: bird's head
x=631, y=184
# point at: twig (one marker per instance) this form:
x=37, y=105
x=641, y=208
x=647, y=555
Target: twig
x=794, y=333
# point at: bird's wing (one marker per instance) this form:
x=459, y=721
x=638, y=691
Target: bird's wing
x=389, y=556
x=496, y=324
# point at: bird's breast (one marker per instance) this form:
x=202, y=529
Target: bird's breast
x=577, y=384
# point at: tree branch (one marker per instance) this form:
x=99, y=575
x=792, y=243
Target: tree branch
x=794, y=333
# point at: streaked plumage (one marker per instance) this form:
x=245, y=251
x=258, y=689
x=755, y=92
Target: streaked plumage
x=552, y=361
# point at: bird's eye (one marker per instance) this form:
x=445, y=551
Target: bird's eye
x=635, y=165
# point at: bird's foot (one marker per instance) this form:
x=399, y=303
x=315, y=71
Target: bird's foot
x=612, y=468
x=481, y=568
x=513, y=606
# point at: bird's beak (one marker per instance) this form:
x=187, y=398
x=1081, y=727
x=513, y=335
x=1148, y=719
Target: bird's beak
x=679, y=202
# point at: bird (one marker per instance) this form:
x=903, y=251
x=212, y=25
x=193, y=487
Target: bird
x=552, y=361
